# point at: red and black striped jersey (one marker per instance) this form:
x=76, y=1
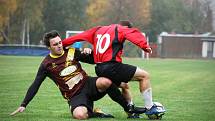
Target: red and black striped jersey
x=65, y=71
x=108, y=41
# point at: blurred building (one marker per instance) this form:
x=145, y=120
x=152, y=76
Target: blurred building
x=186, y=46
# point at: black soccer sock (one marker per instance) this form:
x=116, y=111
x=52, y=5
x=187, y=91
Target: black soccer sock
x=117, y=96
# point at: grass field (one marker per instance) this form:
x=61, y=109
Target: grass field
x=185, y=87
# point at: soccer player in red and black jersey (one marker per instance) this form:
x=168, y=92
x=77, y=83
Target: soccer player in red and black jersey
x=81, y=90
x=108, y=42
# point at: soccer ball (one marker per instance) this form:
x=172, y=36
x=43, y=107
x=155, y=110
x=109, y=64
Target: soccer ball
x=160, y=111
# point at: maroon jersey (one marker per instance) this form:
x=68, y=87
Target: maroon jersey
x=65, y=71
x=108, y=41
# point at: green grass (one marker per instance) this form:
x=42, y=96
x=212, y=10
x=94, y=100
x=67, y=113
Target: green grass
x=185, y=87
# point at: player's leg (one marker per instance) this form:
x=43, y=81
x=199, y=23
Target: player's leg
x=145, y=88
x=117, y=96
x=109, y=70
x=117, y=74
x=97, y=87
x=105, y=85
x=102, y=84
x=126, y=92
x=80, y=106
x=80, y=113
x=144, y=85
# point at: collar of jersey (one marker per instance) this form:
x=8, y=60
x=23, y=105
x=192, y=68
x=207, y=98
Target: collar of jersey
x=56, y=56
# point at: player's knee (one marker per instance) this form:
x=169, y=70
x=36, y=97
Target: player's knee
x=80, y=113
x=146, y=75
x=142, y=74
x=105, y=82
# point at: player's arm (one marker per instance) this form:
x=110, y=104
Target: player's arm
x=85, y=56
x=40, y=77
x=136, y=37
x=84, y=36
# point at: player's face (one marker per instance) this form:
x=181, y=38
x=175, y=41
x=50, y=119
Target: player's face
x=56, y=46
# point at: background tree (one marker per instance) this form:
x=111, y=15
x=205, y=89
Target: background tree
x=96, y=10
x=64, y=15
x=7, y=8
x=26, y=18
x=111, y=11
x=180, y=16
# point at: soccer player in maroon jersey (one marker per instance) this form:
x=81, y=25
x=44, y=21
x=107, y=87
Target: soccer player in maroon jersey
x=108, y=42
x=81, y=90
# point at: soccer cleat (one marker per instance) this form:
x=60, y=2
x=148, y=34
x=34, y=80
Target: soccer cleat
x=133, y=109
x=98, y=113
x=156, y=111
x=134, y=112
x=157, y=108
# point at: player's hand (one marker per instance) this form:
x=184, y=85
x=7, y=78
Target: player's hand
x=148, y=50
x=87, y=51
x=20, y=109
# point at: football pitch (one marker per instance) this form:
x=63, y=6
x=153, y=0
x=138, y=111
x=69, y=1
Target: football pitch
x=185, y=87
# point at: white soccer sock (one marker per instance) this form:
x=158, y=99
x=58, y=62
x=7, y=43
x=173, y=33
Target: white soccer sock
x=147, y=96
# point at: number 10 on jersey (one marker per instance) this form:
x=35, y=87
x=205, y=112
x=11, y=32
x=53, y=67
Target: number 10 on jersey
x=99, y=48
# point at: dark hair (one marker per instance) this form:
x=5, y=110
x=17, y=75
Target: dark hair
x=49, y=35
x=125, y=23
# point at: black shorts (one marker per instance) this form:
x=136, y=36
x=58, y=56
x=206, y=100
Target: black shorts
x=86, y=96
x=115, y=71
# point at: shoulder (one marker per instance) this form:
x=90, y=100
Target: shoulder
x=45, y=61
